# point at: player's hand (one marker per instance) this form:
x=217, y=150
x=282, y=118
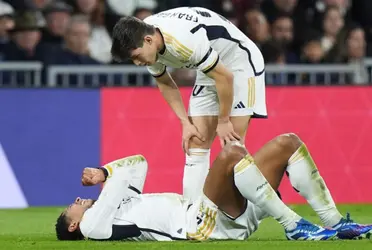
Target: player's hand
x=92, y=176
x=188, y=131
x=226, y=133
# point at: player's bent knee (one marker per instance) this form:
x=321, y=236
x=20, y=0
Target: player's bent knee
x=233, y=152
x=288, y=141
x=196, y=143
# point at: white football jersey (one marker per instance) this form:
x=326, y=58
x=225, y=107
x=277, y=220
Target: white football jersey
x=120, y=212
x=198, y=38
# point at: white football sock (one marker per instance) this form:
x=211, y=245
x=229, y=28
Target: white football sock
x=305, y=178
x=195, y=173
x=256, y=189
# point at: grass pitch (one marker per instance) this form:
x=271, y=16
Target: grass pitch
x=33, y=228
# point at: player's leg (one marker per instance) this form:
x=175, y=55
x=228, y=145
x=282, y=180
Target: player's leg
x=249, y=92
x=308, y=182
x=234, y=177
x=203, y=114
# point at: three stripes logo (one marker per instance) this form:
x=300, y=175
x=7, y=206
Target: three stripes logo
x=240, y=105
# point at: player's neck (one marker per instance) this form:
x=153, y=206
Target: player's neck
x=160, y=42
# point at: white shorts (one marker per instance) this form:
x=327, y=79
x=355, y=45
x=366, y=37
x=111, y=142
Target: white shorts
x=249, y=86
x=249, y=97
x=207, y=222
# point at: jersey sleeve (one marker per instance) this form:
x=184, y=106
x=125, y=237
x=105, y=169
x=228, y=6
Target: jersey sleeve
x=129, y=161
x=204, y=57
x=157, y=70
x=97, y=222
x=137, y=177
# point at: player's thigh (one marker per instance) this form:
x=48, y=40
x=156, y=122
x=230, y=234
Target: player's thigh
x=220, y=187
x=203, y=113
x=272, y=158
x=240, y=124
x=244, y=101
x=259, y=103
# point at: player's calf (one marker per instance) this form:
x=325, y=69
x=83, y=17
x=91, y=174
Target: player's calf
x=308, y=182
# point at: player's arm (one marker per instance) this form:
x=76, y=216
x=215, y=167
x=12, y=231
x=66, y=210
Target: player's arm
x=207, y=60
x=224, y=84
x=97, y=222
x=170, y=92
x=134, y=160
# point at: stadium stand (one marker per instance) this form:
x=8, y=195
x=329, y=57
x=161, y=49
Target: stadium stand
x=311, y=42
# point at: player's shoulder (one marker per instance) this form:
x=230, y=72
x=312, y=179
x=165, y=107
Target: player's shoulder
x=177, y=21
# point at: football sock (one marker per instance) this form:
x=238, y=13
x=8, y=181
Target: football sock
x=306, y=180
x=195, y=172
x=255, y=188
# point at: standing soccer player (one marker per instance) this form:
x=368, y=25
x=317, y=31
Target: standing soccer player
x=230, y=82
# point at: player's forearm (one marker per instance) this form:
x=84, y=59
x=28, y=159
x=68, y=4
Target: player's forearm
x=173, y=97
x=111, y=167
x=97, y=221
x=224, y=86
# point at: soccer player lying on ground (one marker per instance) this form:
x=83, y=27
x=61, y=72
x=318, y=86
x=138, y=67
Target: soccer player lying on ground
x=238, y=193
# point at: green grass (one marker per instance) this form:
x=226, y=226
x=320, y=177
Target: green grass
x=33, y=228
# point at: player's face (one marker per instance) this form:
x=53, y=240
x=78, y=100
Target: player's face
x=77, y=209
x=147, y=54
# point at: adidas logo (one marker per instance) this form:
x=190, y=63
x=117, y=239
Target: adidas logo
x=240, y=105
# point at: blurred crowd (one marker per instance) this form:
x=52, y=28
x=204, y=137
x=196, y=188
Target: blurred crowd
x=72, y=32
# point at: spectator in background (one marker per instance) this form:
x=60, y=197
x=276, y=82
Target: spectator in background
x=100, y=39
x=40, y=4
x=24, y=5
x=6, y=24
x=76, y=49
x=127, y=7
x=361, y=13
x=298, y=10
x=321, y=6
x=256, y=27
x=355, y=54
x=142, y=13
x=333, y=22
x=86, y=7
x=312, y=52
x=75, y=52
x=26, y=36
x=282, y=32
x=57, y=14
x=274, y=53
x=273, y=8
x=241, y=6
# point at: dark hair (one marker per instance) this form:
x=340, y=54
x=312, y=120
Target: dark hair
x=272, y=51
x=62, y=230
x=281, y=16
x=128, y=35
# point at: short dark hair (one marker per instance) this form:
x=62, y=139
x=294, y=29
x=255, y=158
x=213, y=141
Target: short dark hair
x=281, y=16
x=272, y=51
x=128, y=35
x=62, y=230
